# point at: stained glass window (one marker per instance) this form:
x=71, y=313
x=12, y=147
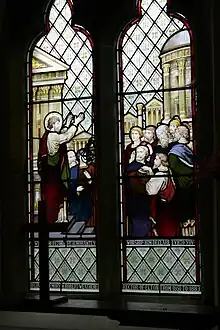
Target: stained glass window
x=61, y=155
x=160, y=249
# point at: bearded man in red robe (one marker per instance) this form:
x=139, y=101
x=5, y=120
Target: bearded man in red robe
x=53, y=163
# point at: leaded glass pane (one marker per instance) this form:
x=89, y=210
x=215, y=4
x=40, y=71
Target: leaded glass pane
x=62, y=167
x=72, y=266
x=157, y=167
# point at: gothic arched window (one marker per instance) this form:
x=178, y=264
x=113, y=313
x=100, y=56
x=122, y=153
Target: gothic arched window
x=159, y=222
x=62, y=150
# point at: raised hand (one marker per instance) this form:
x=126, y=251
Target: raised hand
x=69, y=119
x=79, y=118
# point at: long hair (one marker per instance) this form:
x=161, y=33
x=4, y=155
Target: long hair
x=137, y=129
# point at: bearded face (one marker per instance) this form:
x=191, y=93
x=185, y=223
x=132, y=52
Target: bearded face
x=72, y=158
x=141, y=153
x=164, y=140
x=149, y=136
x=176, y=136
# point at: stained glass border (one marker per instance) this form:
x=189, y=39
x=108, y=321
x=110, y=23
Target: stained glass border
x=64, y=256
x=152, y=288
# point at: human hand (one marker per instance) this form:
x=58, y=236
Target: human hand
x=132, y=157
x=152, y=219
x=79, y=118
x=69, y=119
x=155, y=232
x=146, y=170
x=80, y=188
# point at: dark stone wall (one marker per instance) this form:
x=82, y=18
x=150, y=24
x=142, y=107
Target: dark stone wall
x=21, y=22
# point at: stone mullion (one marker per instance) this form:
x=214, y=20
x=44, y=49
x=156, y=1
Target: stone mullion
x=216, y=146
x=204, y=136
x=108, y=236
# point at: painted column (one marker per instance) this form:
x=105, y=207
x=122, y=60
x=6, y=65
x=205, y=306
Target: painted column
x=55, y=94
x=140, y=114
x=157, y=116
x=176, y=106
x=166, y=79
x=43, y=95
x=182, y=93
x=152, y=117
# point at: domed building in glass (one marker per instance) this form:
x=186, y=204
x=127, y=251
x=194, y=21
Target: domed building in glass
x=176, y=66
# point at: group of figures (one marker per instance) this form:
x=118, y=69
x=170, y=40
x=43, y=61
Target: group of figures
x=160, y=189
x=159, y=181
x=67, y=176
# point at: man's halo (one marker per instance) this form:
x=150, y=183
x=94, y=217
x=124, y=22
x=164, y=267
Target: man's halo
x=49, y=115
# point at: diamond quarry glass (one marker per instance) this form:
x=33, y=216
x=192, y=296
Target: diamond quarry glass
x=158, y=190
x=61, y=150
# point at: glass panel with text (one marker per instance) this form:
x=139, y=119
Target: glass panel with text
x=62, y=165
x=160, y=250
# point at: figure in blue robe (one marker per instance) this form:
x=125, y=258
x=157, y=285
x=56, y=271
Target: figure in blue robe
x=73, y=176
x=137, y=202
x=73, y=206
